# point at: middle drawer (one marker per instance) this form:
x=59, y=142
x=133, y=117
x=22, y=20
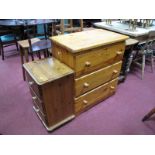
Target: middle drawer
x=97, y=78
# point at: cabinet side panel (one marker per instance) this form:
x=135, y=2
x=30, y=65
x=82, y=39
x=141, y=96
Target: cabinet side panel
x=59, y=99
x=63, y=55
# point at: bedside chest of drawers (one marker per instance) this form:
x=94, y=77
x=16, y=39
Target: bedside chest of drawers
x=96, y=57
x=51, y=85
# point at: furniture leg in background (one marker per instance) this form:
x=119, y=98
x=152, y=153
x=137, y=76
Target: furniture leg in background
x=128, y=57
x=24, y=50
x=148, y=115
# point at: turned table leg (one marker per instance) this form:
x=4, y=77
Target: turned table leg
x=128, y=57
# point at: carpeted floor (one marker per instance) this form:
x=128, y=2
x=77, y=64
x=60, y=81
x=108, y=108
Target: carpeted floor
x=119, y=114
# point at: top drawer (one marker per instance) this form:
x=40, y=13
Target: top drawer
x=99, y=57
x=32, y=84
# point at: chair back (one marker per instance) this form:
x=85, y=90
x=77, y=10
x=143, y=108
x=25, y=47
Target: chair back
x=151, y=39
x=68, y=26
x=32, y=30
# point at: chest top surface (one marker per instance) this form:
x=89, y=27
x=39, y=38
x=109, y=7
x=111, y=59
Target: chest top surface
x=47, y=70
x=79, y=41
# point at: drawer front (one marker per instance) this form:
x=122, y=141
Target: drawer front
x=40, y=115
x=97, y=58
x=97, y=78
x=92, y=97
x=37, y=102
x=32, y=84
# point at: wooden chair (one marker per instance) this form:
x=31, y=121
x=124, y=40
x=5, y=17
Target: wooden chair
x=69, y=27
x=145, y=52
x=7, y=38
x=41, y=46
x=148, y=115
x=34, y=46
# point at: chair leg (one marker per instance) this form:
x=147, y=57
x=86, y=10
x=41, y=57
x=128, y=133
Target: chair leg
x=152, y=62
x=143, y=65
x=32, y=57
x=147, y=116
x=22, y=62
x=17, y=46
x=2, y=50
x=45, y=54
x=48, y=53
x=39, y=55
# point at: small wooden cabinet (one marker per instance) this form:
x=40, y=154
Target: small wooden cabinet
x=51, y=85
x=96, y=57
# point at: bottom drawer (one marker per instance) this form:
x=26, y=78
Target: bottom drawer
x=96, y=95
x=40, y=114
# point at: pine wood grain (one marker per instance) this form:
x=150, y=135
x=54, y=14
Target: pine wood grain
x=97, y=78
x=79, y=41
x=47, y=70
x=95, y=96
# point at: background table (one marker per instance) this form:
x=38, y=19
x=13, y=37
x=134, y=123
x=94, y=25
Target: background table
x=21, y=24
x=140, y=33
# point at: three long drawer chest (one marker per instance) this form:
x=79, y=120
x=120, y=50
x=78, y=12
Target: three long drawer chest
x=96, y=57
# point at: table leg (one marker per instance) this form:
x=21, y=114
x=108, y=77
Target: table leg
x=128, y=57
x=26, y=55
x=22, y=62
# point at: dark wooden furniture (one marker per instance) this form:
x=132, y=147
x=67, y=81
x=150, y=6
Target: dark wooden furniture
x=35, y=47
x=7, y=38
x=96, y=57
x=24, y=52
x=21, y=24
x=51, y=85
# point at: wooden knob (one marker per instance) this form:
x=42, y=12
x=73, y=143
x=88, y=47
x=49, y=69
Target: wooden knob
x=119, y=53
x=112, y=87
x=35, y=109
x=59, y=53
x=85, y=102
x=86, y=85
x=115, y=71
x=31, y=83
x=34, y=98
x=87, y=64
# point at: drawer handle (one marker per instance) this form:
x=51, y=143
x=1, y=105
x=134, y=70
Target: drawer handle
x=115, y=71
x=31, y=83
x=119, y=53
x=85, y=102
x=112, y=87
x=86, y=85
x=59, y=53
x=34, y=98
x=35, y=109
x=87, y=64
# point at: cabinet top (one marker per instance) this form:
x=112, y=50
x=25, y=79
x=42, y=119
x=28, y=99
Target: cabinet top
x=79, y=41
x=47, y=70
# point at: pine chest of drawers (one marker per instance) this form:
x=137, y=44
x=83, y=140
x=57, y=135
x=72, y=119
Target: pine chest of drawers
x=96, y=57
x=51, y=86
